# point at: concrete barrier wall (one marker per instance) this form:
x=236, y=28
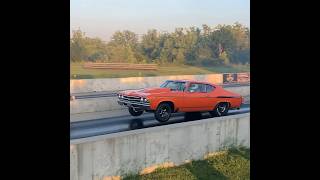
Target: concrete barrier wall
x=94, y=105
x=135, y=151
x=110, y=103
x=116, y=84
x=242, y=90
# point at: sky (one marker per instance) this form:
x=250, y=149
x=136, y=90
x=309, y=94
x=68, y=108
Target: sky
x=101, y=18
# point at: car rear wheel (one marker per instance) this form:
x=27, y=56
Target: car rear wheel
x=220, y=110
x=163, y=112
x=134, y=112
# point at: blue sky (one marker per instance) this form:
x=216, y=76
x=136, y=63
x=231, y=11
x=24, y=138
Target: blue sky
x=101, y=18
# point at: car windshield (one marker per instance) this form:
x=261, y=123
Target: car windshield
x=174, y=85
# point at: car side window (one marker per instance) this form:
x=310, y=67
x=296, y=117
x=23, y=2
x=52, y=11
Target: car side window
x=202, y=88
x=180, y=86
x=197, y=87
x=209, y=88
x=193, y=88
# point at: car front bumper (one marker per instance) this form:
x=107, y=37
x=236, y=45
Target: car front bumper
x=135, y=105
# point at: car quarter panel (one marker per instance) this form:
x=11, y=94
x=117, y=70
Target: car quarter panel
x=222, y=95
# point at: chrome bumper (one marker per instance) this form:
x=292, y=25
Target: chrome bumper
x=136, y=105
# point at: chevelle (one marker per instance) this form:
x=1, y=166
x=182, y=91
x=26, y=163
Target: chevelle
x=180, y=96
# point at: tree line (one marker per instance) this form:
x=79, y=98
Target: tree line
x=208, y=46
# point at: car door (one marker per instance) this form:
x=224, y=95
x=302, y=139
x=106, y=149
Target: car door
x=178, y=96
x=196, y=97
x=211, y=96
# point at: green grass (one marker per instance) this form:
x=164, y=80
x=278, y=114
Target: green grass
x=78, y=72
x=234, y=164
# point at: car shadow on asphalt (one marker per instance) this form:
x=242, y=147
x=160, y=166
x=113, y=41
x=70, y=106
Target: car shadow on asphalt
x=138, y=123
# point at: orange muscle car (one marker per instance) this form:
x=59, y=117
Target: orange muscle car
x=180, y=96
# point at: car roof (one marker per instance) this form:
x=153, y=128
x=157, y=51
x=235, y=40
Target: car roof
x=193, y=81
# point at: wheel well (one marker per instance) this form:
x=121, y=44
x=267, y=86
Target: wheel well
x=170, y=103
x=229, y=104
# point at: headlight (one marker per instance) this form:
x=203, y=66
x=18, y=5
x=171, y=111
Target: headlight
x=119, y=96
x=143, y=99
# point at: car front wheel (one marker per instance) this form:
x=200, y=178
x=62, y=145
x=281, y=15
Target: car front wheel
x=134, y=112
x=163, y=112
x=220, y=110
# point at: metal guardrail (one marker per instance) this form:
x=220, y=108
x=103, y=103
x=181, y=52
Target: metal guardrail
x=125, y=66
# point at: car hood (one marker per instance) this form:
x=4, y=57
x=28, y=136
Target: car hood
x=145, y=91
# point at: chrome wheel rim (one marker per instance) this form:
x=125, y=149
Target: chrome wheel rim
x=163, y=113
x=222, y=108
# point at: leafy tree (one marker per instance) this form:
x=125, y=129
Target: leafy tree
x=224, y=58
x=77, y=46
x=151, y=45
x=209, y=46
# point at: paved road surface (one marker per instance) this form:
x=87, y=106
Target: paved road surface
x=126, y=122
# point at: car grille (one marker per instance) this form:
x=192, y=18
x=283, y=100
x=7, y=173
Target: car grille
x=134, y=100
